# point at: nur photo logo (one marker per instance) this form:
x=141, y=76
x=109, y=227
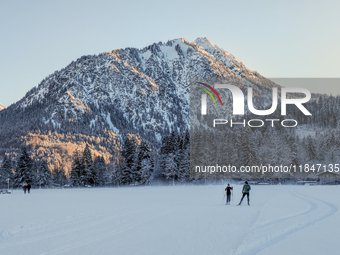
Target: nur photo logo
x=238, y=104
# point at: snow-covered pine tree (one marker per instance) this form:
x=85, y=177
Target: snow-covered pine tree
x=270, y=147
x=164, y=151
x=6, y=172
x=252, y=158
x=44, y=177
x=146, y=171
x=88, y=175
x=311, y=148
x=23, y=171
x=170, y=168
x=99, y=167
x=59, y=177
x=177, y=149
x=128, y=166
x=284, y=152
x=144, y=163
x=184, y=161
x=291, y=141
x=247, y=147
x=35, y=172
x=186, y=138
x=76, y=170
x=197, y=153
x=125, y=174
x=184, y=167
x=232, y=150
x=113, y=175
x=168, y=143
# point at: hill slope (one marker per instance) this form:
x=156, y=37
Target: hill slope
x=96, y=99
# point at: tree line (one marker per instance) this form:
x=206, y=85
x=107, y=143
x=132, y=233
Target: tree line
x=245, y=146
x=139, y=163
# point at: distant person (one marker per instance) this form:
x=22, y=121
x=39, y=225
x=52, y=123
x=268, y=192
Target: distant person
x=29, y=188
x=245, y=191
x=24, y=187
x=228, y=190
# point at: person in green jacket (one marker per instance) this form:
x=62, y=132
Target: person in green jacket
x=245, y=191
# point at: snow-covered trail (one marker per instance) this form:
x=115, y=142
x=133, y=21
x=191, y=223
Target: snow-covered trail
x=171, y=220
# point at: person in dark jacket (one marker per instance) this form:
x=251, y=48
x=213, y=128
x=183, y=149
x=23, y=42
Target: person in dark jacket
x=228, y=190
x=29, y=188
x=24, y=186
x=245, y=191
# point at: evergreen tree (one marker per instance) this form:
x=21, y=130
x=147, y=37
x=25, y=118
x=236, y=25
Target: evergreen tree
x=197, y=153
x=35, y=172
x=247, y=148
x=114, y=175
x=44, y=177
x=88, y=175
x=293, y=149
x=59, y=177
x=170, y=172
x=311, y=148
x=76, y=170
x=184, y=168
x=144, y=163
x=128, y=166
x=146, y=171
x=6, y=172
x=23, y=171
x=125, y=174
x=99, y=168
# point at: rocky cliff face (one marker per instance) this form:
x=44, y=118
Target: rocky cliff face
x=142, y=91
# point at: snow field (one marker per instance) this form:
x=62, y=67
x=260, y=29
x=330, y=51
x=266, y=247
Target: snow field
x=171, y=220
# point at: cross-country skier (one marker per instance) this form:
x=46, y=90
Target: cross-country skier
x=24, y=187
x=245, y=191
x=228, y=190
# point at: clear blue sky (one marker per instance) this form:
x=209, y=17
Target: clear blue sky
x=290, y=38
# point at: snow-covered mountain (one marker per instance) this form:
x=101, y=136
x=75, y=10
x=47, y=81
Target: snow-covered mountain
x=144, y=91
x=2, y=107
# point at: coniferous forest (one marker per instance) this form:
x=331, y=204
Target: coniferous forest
x=133, y=160
x=315, y=141
x=138, y=163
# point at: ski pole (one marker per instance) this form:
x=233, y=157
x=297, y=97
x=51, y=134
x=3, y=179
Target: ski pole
x=223, y=199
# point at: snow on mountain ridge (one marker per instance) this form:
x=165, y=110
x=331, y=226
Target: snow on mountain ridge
x=203, y=41
x=142, y=90
x=2, y=107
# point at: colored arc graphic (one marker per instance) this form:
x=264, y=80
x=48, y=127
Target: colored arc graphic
x=208, y=94
x=208, y=86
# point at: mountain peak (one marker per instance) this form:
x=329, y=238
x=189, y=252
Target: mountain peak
x=180, y=40
x=123, y=88
x=126, y=91
x=204, y=41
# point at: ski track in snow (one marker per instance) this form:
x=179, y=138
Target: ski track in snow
x=97, y=238
x=312, y=208
x=40, y=230
x=266, y=241
x=163, y=220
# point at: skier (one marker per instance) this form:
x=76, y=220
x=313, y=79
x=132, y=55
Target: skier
x=245, y=191
x=24, y=186
x=228, y=190
x=28, y=188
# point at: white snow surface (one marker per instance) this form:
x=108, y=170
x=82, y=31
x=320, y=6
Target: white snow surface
x=171, y=220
